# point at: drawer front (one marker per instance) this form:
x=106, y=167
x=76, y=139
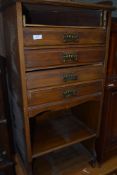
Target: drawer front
x=39, y=97
x=61, y=36
x=45, y=58
x=40, y=79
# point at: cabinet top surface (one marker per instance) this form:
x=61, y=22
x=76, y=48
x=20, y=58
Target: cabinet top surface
x=103, y=5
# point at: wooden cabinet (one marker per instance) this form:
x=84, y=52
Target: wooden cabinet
x=57, y=54
x=112, y=99
x=6, y=147
x=112, y=62
x=64, y=57
x=62, y=36
x=107, y=143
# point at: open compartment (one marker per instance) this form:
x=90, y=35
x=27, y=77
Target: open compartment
x=52, y=131
x=54, y=15
x=64, y=162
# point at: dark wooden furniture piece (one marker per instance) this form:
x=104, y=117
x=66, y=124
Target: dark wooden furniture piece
x=57, y=54
x=6, y=147
x=107, y=143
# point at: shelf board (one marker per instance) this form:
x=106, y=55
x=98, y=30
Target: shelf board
x=69, y=161
x=58, y=131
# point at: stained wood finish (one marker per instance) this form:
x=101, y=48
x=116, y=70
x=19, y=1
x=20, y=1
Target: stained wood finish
x=112, y=64
x=104, y=6
x=63, y=97
x=58, y=132
x=107, y=142
x=27, y=78
x=66, y=104
x=67, y=162
x=108, y=147
x=66, y=3
x=53, y=78
x=45, y=96
x=57, y=36
x=107, y=167
x=16, y=77
x=112, y=119
x=49, y=58
x=61, y=16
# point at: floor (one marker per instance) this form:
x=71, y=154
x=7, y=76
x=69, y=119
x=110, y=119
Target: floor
x=107, y=167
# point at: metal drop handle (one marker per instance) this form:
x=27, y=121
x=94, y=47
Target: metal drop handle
x=69, y=93
x=71, y=37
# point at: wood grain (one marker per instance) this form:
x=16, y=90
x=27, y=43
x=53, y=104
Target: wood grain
x=52, y=78
x=107, y=142
x=58, y=131
x=36, y=59
x=16, y=77
x=45, y=96
x=56, y=36
x=72, y=4
x=67, y=162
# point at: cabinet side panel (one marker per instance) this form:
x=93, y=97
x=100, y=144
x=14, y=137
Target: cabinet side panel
x=101, y=141
x=16, y=75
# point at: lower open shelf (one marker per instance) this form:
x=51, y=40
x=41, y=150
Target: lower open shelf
x=69, y=161
x=58, y=131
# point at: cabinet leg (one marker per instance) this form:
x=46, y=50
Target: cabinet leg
x=90, y=145
x=93, y=161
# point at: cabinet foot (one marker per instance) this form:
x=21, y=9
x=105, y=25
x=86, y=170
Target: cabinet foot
x=93, y=163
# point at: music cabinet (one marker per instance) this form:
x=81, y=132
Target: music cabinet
x=6, y=148
x=57, y=55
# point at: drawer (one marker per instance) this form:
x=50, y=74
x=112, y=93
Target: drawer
x=44, y=96
x=40, y=36
x=40, y=79
x=45, y=58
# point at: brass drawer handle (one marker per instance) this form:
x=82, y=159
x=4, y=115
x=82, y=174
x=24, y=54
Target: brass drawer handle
x=70, y=57
x=70, y=77
x=69, y=93
x=71, y=37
